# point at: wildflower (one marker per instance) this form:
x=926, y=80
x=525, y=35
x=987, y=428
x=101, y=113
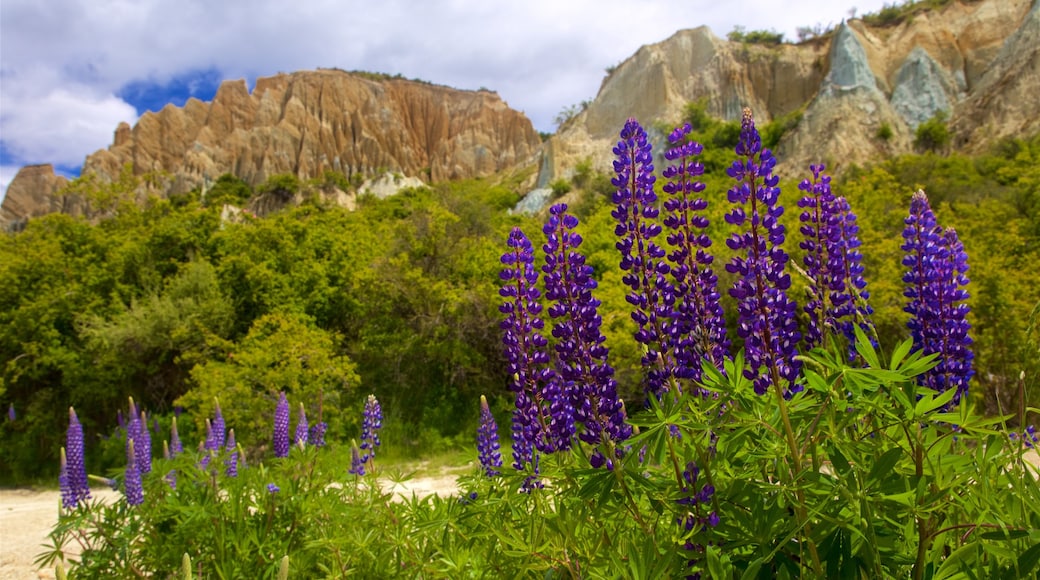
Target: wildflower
x=641, y=258
x=534, y=384
x=171, y=475
x=357, y=463
x=316, y=434
x=272, y=488
x=699, y=331
x=11, y=415
x=73, y=477
x=935, y=282
x=132, y=488
x=231, y=463
x=837, y=293
x=300, y=437
x=144, y=446
x=766, y=316
x=487, y=441
x=219, y=428
x=371, y=422
x=281, y=427
x=590, y=389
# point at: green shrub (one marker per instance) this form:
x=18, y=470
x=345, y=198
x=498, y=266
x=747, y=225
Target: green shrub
x=933, y=134
x=283, y=186
x=884, y=132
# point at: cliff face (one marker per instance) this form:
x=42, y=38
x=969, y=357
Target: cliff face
x=306, y=123
x=977, y=60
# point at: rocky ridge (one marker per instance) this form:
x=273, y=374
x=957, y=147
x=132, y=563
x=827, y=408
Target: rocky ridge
x=304, y=123
x=977, y=60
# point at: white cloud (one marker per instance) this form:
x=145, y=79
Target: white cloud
x=62, y=61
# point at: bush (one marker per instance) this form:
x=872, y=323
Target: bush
x=228, y=189
x=560, y=187
x=933, y=134
x=283, y=186
x=884, y=132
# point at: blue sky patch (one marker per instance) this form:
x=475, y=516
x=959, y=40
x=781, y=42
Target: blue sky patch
x=152, y=96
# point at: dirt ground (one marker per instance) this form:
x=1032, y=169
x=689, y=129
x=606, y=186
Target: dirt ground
x=27, y=516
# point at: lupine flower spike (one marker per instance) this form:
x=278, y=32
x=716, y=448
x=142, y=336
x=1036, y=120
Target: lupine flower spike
x=699, y=332
x=132, y=488
x=533, y=383
x=487, y=441
x=642, y=259
x=371, y=422
x=766, y=316
x=300, y=438
x=219, y=428
x=580, y=353
x=143, y=446
x=833, y=263
x=357, y=464
x=176, y=448
x=316, y=434
x=73, y=478
x=231, y=463
x=935, y=282
x=281, y=427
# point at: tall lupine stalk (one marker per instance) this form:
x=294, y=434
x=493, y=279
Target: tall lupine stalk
x=73, y=476
x=316, y=434
x=300, y=437
x=534, y=384
x=280, y=439
x=231, y=463
x=837, y=292
x=219, y=427
x=371, y=423
x=581, y=355
x=137, y=430
x=642, y=259
x=700, y=328
x=488, y=451
x=143, y=446
x=132, y=487
x=766, y=315
x=935, y=282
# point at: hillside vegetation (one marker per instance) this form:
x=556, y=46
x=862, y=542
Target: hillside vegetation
x=175, y=306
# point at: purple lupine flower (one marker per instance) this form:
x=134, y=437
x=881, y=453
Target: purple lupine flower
x=219, y=428
x=357, y=463
x=935, y=282
x=300, y=437
x=371, y=422
x=132, y=487
x=281, y=427
x=641, y=258
x=73, y=477
x=699, y=331
x=119, y=418
x=488, y=450
x=316, y=434
x=11, y=415
x=695, y=514
x=231, y=463
x=143, y=446
x=837, y=294
x=581, y=356
x=766, y=316
x=272, y=488
x=534, y=384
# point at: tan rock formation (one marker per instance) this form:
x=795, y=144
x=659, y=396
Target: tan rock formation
x=32, y=193
x=976, y=57
x=305, y=123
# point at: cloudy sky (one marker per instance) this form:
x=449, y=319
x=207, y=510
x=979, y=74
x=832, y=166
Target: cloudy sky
x=71, y=70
